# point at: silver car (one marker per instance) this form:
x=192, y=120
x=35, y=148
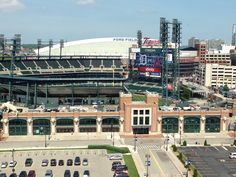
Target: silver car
x=48, y=173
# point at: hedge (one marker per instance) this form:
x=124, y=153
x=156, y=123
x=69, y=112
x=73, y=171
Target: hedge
x=110, y=149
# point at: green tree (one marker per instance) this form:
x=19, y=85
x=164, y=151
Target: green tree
x=225, y=88
x=195, y=173
x=185, y=143
x=205, y=143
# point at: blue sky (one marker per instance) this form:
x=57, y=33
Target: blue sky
x=81, y=19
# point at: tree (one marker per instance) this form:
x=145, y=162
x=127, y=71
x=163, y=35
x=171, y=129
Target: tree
x=205, y=143
x=185, y=143
x=225, y=88
x=195, y=173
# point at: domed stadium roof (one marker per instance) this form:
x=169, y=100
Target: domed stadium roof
x=116, y=46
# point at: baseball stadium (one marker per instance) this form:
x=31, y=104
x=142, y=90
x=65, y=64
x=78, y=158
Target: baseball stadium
x=86, y=86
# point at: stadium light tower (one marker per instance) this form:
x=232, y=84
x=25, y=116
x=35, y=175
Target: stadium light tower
x=50, y=47
x=2, y=44
x=61, y=46
x=139, y=37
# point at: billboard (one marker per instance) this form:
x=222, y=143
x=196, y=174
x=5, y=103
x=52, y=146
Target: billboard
x=149, y=60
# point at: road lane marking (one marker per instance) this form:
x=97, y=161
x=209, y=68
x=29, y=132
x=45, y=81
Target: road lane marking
x=216, y=148
x=158, y=165
x=225, y=148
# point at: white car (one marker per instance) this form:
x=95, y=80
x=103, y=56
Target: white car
x=4, y=165
x=12, y=163
x=115, y=157
x=85, y=162
x=44, y=162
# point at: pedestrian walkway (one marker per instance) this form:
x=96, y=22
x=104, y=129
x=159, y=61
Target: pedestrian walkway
x=149, y=146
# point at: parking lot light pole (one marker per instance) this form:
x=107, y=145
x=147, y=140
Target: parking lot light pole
x=147, y=163
x=13, y=159
x=234, y=130
x=187, y=164
x=135, y=142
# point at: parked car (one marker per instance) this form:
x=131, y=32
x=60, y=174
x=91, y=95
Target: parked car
x=49, y=173
x=31, y=173
x=76, y=174
x=121, y=174
x=77, y=160
x=85, y=162
x=232, y=155
x=53, y=162
x=67, y=173
x=3, y=175
x=28, y=162
x=44, y=162
x=115, y=157
x=12, y=163
x=69, y=162
x=86, y=173
x=4, y=165
x=61, y=162
x=13, y=175
x=23, y=174
x=115, y=164
x=121, y=167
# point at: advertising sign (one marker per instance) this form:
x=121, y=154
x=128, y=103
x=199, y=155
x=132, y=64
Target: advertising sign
x=149, y=61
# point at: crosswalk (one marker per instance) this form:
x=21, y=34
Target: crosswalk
x=149, y=146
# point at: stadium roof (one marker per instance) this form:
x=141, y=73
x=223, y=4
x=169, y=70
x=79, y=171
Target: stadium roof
x=118, y=46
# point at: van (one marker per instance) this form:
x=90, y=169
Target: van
x=232, y=155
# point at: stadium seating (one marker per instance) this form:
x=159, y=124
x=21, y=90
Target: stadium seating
x=88, y=67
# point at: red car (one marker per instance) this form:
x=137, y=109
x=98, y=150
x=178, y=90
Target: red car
x=31, y=173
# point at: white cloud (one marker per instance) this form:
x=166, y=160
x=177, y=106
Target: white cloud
x=85, y=2
x=9, y=5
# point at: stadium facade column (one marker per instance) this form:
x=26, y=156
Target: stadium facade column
x=181, y=125
x=202, y=124
x=99, y=124
x=53, y=125
x=5, y=122
x=223, y=123
x=159, y=122
x=29, y=126
x=121, y=124
x=76, y=125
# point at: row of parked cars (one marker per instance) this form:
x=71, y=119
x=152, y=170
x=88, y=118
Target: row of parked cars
x=49, y=172
x=120, y=170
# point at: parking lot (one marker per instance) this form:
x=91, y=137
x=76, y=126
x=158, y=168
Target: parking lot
x=212, y=161
x=99, y=164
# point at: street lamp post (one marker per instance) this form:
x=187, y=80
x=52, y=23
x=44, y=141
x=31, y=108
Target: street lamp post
x=43, y=131
x=147, y=163
x=13, y=159
x=180, y=131
x=187, y=164
x=112, y=134
x=135, y=142
x=234, y=131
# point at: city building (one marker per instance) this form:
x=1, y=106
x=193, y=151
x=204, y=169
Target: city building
x=188, y=61
x=193, y=41
x=216, y=75
x=234, y=35
x=201, y=50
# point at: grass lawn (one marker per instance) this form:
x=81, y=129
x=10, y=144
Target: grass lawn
x=131, y=166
